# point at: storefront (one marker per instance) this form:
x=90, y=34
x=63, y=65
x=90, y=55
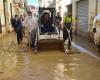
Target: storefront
x=82, y=16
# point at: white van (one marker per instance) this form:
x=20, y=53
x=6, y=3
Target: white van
x=96, y=30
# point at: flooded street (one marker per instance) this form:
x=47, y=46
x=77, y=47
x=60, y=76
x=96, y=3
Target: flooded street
x=46, y=65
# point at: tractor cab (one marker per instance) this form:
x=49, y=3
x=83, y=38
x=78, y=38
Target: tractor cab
x=48, y=33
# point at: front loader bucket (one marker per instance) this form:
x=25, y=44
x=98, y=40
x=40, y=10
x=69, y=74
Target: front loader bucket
x=45, y=45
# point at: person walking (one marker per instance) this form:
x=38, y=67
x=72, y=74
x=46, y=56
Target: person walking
x=58, y=20
x=17, y=24
x=22, y=18
x=12, y=21
x=31, y=26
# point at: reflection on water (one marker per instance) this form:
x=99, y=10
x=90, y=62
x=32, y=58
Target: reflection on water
x=72, y=69
x=59, y=72
x=75, y=59
x=54, y=65
x=73, y=64
x=7, y=63
x=26, y=67
x=49, y=65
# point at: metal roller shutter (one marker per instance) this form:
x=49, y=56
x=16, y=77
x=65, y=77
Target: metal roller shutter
x=82, y=15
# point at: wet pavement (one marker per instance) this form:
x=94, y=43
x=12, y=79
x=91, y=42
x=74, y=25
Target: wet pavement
x=18, y=64
x=86, y=43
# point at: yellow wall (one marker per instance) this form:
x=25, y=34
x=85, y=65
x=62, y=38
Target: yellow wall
x=99, y=6
x=92, y=13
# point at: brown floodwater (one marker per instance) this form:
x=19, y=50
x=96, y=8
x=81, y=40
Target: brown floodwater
x=55, y=65
x=17, y=64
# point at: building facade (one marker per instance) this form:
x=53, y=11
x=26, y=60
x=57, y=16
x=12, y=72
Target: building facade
x=9, y=8
x=52, y=3
x=6, y=11
x=83, y=12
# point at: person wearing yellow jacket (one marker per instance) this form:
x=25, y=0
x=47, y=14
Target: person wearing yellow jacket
x=67, y=30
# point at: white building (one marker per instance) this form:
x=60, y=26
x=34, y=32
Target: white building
x=61, y=7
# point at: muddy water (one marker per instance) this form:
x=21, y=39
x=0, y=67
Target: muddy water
x=55, y=65
x=49, y=65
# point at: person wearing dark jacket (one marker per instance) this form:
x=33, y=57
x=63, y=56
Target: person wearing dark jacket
x=11, y=20
x=18, y=28
x=67, y=30
x=58, y=20
x=68, y=20
x=46, y=23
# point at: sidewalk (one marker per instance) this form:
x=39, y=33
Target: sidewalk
x=86, y=43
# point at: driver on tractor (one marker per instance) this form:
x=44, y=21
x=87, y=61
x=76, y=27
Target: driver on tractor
x=46, y=23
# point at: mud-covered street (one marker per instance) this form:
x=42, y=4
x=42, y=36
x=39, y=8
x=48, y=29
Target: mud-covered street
x=16, y=63
x=49, y=39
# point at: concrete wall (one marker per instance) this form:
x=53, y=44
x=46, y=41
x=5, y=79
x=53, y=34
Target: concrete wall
x=74, y=14
x=98, y=6
x=94, y=8
x=92, y=13
x=74, y=9
x=6, y=25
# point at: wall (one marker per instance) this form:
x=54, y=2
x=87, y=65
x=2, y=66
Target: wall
x=74, y=9
x=92, y=11
x=2, y=12
x=6, y=26
x=98, y=6
x=94, y=8
x=74, y=14
x=8, y=15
